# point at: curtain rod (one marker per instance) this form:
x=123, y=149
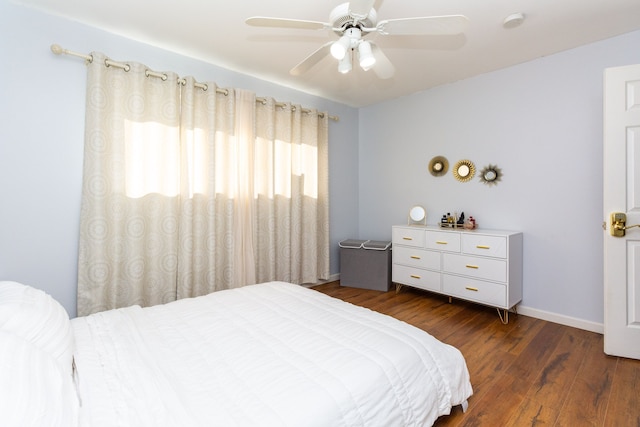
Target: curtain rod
x=58, y=50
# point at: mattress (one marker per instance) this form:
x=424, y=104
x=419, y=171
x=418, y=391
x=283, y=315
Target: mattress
x=273, y=354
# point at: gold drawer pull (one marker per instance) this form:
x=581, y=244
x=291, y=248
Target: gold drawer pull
x=469, y=288
x=441, y=242
x=415, y=257
x=483, y=247
x=407, y=238
x=415, y=276
x=472, y=266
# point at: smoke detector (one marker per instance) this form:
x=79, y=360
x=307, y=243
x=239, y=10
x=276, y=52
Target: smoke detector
x=513, y=20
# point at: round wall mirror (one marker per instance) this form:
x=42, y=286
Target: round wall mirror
x=464, y=170
x=438, y=166
x=417, y=215
x=490, y=175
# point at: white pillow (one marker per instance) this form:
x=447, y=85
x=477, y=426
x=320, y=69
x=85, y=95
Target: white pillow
x=35, y=390
x=38, y=318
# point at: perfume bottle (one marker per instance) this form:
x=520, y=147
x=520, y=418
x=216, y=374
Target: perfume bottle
x=468, y=225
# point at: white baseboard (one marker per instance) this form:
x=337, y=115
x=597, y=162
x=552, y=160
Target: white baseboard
x=531, y=312
x=561, y=319
x=332, y=278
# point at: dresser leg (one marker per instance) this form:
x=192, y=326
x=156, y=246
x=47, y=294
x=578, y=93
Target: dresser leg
x=398, y=287
x=504, y=318
x=450, y=300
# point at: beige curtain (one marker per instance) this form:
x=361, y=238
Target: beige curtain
x=188, y=191
x=292, y=206
x=216, y=230
x=130, y=213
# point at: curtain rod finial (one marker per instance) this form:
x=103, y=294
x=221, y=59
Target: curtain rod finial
x=57, y=49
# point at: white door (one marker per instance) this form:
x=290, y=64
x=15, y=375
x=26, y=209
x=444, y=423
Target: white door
x=622, y=194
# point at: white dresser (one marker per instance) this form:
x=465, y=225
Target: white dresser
x=483, y=266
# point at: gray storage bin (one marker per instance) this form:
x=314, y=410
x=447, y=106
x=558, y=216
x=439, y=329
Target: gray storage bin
x=365, y=264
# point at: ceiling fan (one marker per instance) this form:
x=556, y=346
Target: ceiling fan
x=352, y=22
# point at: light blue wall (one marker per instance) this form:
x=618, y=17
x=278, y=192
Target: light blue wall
x=41, y=142
x=541, y=123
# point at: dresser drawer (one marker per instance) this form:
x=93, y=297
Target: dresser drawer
x=488, y=293
x=481, y=268
x=416, y=257
x=408, y=236
x=423, y=279
x=443, y=241
x=493, y=246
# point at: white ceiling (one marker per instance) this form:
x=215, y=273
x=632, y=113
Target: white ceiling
x=214, y=31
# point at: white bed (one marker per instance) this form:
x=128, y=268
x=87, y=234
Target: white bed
x=273, y=354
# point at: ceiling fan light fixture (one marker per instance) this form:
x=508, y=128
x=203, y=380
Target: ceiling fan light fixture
x=344, y=66
x=339, y=49
x=353, y=20
x=367, y=60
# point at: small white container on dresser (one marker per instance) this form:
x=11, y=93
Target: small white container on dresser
x=483, y=266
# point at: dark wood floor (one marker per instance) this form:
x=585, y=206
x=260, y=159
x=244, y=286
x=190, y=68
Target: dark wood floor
x=528, y=372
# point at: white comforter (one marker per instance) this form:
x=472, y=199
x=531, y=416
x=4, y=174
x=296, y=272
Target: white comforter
x=273, y=354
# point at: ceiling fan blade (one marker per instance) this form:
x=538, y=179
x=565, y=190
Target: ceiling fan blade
x=311, y=60
x=383, y=68
x=428, y=25
x=263, y=21
x=360, y=8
